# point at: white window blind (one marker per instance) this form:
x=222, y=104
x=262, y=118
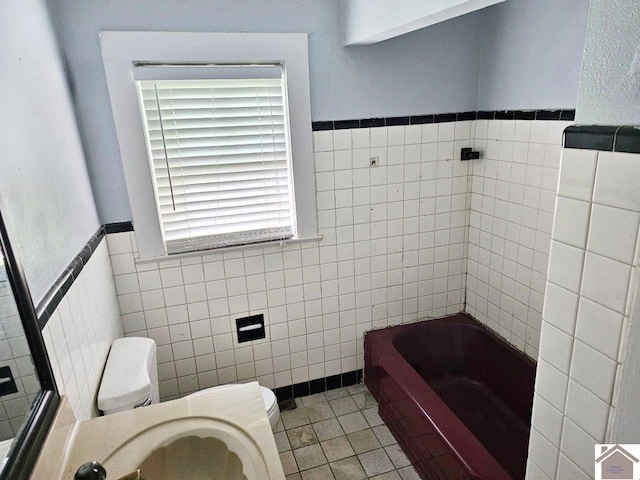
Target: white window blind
x=217, y=139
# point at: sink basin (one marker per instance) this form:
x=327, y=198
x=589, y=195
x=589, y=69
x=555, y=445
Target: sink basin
x=222, y=435
x=192, y=448
x=201, y=457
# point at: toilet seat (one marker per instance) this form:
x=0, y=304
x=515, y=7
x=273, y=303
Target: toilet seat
x=269, y=398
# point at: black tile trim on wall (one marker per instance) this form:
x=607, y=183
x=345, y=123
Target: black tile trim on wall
x=565, y=115
x=319, y=385
x=625, y=139
x=61, y=286
x=118, y=227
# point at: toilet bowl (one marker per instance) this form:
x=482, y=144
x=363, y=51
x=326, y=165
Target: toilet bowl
x=270, y=401
x=130, y=379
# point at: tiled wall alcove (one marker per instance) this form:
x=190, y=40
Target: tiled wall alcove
x=512, y=203
x=394, y=250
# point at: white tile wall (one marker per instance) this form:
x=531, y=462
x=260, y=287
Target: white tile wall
x=512, y=204
x=586, y=308
x=15, y=354
x=393, y=251
x=80, y=332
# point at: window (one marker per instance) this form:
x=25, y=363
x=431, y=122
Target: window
x=215, y=136
x=219, y=154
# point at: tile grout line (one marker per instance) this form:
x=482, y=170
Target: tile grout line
x=350, y=392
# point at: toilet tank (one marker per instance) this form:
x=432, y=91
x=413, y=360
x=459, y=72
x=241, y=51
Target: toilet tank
x=130, y=378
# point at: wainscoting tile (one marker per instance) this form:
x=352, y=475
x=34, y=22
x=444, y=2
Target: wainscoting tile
x=571, y=221
x=599, y=327
x=613, y=233
x=565, y=266
x=587, y=411
x=617, y=178
x=606, y=281
x=593, y=370
x=577, y=174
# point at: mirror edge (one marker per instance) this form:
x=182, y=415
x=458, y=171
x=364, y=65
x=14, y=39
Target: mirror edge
x=30, y=440
x=26, y=448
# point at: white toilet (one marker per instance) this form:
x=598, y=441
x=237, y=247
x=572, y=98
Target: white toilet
x=130, y=379
x=270, y=401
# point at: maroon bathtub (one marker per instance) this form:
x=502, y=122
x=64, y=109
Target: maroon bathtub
x=456, y=397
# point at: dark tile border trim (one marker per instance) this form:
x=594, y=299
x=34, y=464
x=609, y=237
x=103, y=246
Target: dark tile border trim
x=54, y=296
x=118, y=227
x=605, y=138
x=319, y=385
x=565, y=115
x=627, y=140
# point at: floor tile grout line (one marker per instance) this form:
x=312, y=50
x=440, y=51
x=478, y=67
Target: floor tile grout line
x=346, y=435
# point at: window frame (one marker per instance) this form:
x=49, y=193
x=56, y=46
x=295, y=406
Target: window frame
x=121, y=51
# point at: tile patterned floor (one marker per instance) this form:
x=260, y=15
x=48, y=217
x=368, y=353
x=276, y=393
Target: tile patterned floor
x=339, y=435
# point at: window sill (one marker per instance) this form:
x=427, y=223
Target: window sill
x=202, y=253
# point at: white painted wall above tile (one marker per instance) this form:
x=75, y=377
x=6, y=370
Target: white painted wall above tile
x=608, y=87
x=42, y=151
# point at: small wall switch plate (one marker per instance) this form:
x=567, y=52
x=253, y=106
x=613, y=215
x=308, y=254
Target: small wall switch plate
x=250, y=328
x=374, y=161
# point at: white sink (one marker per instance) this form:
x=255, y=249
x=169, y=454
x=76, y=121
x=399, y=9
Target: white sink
x=197, y=455
x=223, y=435
x=191, y=448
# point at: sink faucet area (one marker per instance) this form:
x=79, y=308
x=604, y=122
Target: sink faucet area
x=224, y=434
